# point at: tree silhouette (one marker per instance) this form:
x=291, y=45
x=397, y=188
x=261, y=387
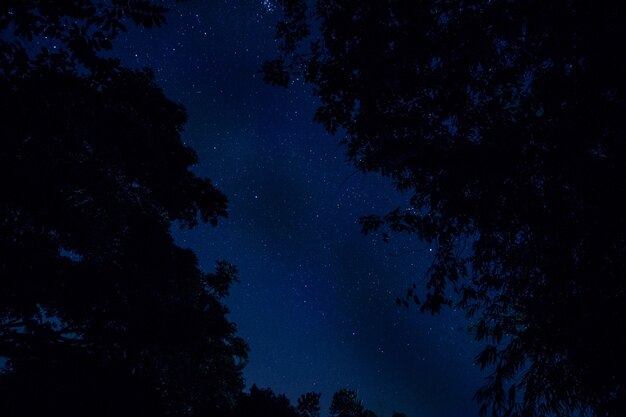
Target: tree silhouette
x=101, y=313
x=346, y=403
x=504, y=120
x=309, y=404
x=263, y=403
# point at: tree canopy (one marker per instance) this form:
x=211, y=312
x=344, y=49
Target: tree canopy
x=263, y=402
x=504, y=121
x=346, y=403
x=101, y=313
x=309, y=404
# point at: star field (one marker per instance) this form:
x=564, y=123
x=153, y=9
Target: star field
x=316, y=298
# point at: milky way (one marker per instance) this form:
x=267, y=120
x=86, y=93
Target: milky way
x=316, y=298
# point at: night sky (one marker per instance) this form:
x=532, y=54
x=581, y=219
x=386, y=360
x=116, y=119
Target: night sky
x=316, y=298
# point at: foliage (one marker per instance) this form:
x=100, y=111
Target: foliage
x=263, y=403
x=504, y=119
x=101, y=313
x=68, y=34
x=346, y=403
x=309, y=404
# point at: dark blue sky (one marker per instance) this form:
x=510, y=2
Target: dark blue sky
x=316, y=297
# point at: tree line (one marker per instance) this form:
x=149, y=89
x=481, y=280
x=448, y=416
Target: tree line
x=264, y=402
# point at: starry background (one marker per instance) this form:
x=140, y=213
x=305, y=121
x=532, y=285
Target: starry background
x=316, y=298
